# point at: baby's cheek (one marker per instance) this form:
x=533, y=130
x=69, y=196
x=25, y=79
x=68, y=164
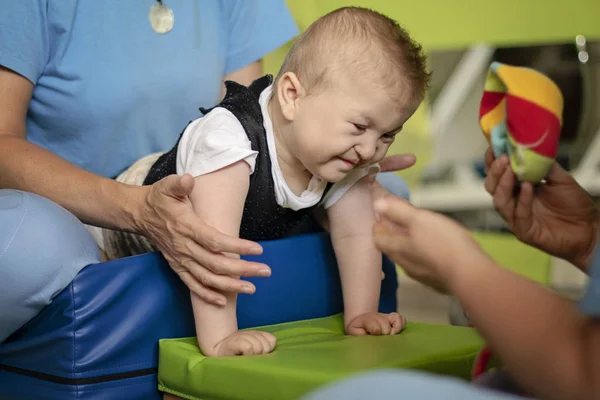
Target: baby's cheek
x=381, y=153
x=309, y=148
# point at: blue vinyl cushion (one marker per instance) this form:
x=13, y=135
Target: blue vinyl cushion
x=99, y=337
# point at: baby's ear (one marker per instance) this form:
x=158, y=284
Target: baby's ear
x=289, y=91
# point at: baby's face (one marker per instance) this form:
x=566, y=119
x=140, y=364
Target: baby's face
x=347, y=125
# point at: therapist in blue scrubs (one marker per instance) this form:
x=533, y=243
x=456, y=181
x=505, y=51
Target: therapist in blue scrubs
x=548, y=344
x=88, y=87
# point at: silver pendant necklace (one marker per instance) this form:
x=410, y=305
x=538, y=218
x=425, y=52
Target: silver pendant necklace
x=161, y=17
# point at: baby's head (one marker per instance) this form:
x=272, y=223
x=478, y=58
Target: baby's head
x=347, y=86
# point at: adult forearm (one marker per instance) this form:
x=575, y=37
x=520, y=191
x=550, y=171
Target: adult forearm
x=92, y=198
x=538, y=335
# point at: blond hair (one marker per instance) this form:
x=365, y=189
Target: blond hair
x=360, y=40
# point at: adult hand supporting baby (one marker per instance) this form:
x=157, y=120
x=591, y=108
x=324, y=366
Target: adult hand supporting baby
x=558, y=216
x=397, y=162
x=425, y=244
x=193, y=249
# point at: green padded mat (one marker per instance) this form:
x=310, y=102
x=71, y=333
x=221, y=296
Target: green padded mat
x=515, y=255
x=309, y=354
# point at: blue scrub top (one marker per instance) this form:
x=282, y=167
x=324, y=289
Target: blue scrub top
x=108, y=89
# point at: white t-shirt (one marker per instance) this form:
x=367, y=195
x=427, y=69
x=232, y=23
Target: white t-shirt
x=218, y=140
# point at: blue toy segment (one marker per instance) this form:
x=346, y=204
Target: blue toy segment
x=495, y=66
x=499, y=138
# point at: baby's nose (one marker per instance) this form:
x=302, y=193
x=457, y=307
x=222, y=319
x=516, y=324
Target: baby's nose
x=366, y=151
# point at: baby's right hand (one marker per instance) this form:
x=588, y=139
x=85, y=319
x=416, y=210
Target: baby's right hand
x=246, y=343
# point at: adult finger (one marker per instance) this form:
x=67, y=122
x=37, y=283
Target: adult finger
x=390, y=242
x=220, y=283
x=206, y=294
x=489, y=159
x=223, y=265
x=219, y=242
x=524, y=206
x=494, y=174
x=378, y=191
x=393, y=227
x=176, y=186
x=397, y=162
x=202, y=250
x=504, y=199
x=396, y=209
x=557, y=175
x=224, y=283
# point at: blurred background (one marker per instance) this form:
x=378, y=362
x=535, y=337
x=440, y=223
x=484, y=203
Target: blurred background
x=560, y=38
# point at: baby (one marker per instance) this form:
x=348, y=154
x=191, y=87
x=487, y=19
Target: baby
x=271, y=154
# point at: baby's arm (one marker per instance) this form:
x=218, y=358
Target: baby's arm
x=218, y=198
x=351, y=221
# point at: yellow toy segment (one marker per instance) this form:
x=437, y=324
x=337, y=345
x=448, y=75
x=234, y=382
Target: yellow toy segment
x=532, y=86
x=493, y=118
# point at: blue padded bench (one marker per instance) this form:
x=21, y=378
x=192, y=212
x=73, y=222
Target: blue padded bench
x=99, y=337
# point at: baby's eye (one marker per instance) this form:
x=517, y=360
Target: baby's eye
x=388, y=136
x=359, y=127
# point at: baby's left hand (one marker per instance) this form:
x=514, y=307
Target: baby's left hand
x=376, y=324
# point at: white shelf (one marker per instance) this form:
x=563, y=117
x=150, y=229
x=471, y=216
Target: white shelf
x=466, y=190
x=450, y=197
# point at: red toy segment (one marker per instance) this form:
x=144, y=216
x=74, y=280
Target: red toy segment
x=531, y=124
x=489, y=101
